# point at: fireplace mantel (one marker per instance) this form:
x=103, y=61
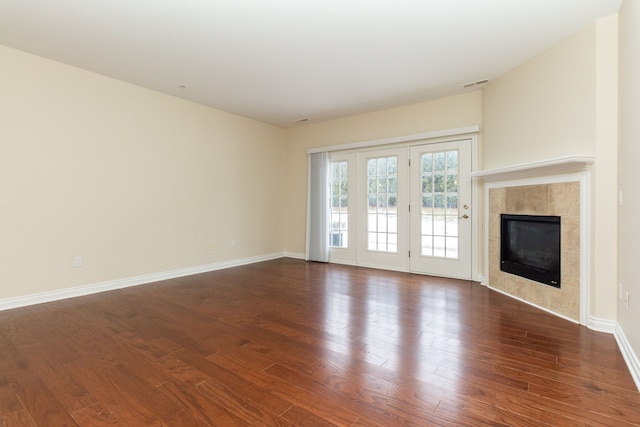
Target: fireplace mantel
x=558, y=166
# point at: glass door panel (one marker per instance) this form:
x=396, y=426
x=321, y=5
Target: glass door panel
x=439, y=210
x=384, y=219
x=382, y=206
x=440, y=222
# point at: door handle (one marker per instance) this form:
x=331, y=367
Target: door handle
x=465, y=216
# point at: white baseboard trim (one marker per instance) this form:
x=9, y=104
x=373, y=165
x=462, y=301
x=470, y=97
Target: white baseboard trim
x=601, y=325
x=295, y=255
x=349, y=263
x=628, y=354
x=43, y=297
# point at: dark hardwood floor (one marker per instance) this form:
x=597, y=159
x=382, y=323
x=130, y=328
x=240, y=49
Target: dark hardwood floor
x=287, y=343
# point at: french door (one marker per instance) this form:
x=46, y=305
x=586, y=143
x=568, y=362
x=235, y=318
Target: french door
x=440, y=217
x=382, y=209
x=405, y=208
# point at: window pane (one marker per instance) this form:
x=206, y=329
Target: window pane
x=392, y=223
x=382, y=223
x=438, y=202
x=372, y=242
x=382, y=203
x=344, y=188
x=427, y=184
x=427, y=201
x=392, y=166
x=452, y=161
x=427, y=224
x=452, y=183
x=372, y=222
x=392, y=243
x=452, y=226
x=343, y=169
x=439, y=223
x=438, y=183
x=438, y=246
x=392, y=185
x=427, y=162
x=438, y=162
x=427, y=246
x=335, y=169
x=382, y=166
x=372, y=189
x=382, y=187
x=338, y=230
x=382, y=242
x=452, y=202
x=452, y=247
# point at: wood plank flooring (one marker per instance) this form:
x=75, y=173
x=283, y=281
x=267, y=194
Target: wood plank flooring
x=289, y=343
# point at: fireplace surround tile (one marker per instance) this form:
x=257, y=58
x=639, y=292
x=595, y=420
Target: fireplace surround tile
x=497, y=200
x=539, y=295
x=527, y=200
x=562, y=199
x=570, y=234
x=494, y=226
x=566, y=302
x=570, y=262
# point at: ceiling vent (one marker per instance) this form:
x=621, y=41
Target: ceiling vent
x=476, y=83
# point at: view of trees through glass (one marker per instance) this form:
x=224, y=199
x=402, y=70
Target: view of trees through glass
x=439, y=211
x=382, y=209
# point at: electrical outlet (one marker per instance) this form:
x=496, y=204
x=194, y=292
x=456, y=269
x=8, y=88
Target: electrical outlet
x=77, y=261
x=233, y=243
x=626, y=299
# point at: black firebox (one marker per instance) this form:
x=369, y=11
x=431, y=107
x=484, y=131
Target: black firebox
x=530, y=247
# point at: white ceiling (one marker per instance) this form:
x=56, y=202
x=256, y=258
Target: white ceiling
x=279, y=61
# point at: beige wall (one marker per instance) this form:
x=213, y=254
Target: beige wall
x=629, y=172
x=545, y=107
x=134, y=181
x=562, y=103
x=604, y=269
x=446, y=113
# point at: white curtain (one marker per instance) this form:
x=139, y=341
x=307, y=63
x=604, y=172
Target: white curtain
x=318, y=208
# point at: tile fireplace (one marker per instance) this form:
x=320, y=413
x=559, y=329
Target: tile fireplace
x=561, y=200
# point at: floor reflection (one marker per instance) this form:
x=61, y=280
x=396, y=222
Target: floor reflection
x=406, y=324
